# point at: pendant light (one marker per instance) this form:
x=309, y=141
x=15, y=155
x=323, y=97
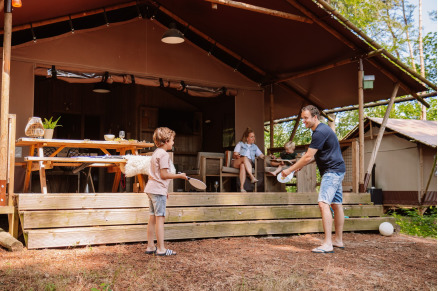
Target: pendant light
x=173, y=35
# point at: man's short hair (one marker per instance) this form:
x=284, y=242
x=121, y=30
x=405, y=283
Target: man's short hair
x=312, y=109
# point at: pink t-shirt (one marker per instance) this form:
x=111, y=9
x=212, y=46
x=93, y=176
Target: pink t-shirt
x=160, y=160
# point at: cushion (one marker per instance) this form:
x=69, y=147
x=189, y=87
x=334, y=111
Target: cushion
x=232, y=170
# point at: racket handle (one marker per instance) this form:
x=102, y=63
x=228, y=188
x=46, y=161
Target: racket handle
x=188, y=178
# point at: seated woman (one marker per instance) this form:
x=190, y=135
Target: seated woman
x=244, y=157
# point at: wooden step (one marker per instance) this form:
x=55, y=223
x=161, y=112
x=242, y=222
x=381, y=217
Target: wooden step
x=134, y=200
x=62, y=237
x=93, y=217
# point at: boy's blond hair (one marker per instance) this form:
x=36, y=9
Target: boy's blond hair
x=162, y=135
x=289, y=145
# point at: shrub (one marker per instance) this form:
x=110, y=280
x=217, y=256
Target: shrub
x=411, y=222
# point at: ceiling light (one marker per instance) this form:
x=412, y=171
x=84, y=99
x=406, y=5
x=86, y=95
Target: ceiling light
x=103, y=86
x=173, y=35
x=16, y=3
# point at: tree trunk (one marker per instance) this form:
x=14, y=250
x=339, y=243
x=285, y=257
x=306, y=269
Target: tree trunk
x=420, y=48
x=411, y=52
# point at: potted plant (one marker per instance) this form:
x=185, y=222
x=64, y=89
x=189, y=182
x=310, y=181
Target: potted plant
x=49, y=126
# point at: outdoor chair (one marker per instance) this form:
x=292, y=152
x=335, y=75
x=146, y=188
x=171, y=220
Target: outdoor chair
x=227, y=171
x=208, y=165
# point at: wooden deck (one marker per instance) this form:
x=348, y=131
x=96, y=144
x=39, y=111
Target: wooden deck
x=64, y=220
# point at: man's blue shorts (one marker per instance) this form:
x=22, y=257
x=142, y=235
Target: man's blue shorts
x=330, y=191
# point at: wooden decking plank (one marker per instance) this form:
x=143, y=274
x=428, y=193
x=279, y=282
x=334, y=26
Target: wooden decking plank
x=94, y=217
x=133, y=200
x=64, y=237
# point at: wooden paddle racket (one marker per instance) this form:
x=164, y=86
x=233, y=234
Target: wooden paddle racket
x=198, y=184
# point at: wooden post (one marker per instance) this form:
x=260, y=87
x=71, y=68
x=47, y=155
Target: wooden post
x=380, y=136
x=420, y=172
x=332, y=124
x=355, y=165
x=271, y=117
x=9, y=242
x=6, y=69
x=12, y=218
x=371, y=129
x=361, y=129
x=294, y=131
x=428, y=182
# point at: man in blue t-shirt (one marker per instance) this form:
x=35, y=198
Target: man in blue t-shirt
x=325, y=150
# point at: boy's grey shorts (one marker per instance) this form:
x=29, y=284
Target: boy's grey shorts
x=157, y=204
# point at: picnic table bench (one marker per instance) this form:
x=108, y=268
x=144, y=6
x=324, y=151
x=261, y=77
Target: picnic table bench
x=52, y=160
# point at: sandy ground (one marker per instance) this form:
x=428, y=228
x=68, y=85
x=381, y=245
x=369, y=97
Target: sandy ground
x=369, y=262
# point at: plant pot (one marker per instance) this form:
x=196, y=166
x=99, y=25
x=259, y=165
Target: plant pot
x=48, y=133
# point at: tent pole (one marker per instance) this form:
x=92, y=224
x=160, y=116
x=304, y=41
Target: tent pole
x=271, y=124
x=361, y=128
x=380, y=136
x=6, y=69
x=294, y=131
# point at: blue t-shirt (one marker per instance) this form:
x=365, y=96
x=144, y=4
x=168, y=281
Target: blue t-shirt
x=329, y=156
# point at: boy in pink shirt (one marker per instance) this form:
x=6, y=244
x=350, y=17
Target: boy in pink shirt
x=156, y=188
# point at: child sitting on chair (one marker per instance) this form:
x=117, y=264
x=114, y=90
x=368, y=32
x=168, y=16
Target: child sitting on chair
x=288, y=154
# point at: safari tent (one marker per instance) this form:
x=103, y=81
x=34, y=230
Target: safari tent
x=240, y=64
x=405, y=168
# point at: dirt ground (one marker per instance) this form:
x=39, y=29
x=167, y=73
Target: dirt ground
x=369, y=262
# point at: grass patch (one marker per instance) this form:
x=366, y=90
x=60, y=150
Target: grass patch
x=411, y=222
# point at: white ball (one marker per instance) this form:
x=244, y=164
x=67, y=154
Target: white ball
x=386, y=229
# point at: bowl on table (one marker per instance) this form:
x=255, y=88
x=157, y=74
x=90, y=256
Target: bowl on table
x=109, y=137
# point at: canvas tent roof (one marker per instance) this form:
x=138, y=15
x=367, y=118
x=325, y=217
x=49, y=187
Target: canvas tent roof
x=262, y=47
x=423, y=131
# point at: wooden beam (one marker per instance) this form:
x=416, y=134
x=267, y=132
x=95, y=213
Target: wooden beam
x=9, y=242
x=4, y=105
x=328, y=66
x=294, y=131
x=12, y=216
x=350, y=25
x=379, y=103
x=209, y=39
x=271, y=118
x=309, y=14
x=290, y=88
x=361, y=127
x=355, y=165
x=403, y=86
x=80, y=236
x=72, y=16
x=50, y=201
x=101, y=217
x=420, y=172
x=332, y=124
x=263, y=10
x=423, y=196
x=380, y=136
x=355, y=107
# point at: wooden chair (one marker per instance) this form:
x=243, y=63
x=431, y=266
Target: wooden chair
x=208, y=165
x=227, y=171
x=270, y=182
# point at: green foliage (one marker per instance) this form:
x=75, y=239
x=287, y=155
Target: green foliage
x=430, y=55
x=103, y=287
x=412, y=223
x=49, y=124
x=50, y=287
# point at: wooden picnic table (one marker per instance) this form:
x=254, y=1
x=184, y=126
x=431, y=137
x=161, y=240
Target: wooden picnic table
x=46, y=162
